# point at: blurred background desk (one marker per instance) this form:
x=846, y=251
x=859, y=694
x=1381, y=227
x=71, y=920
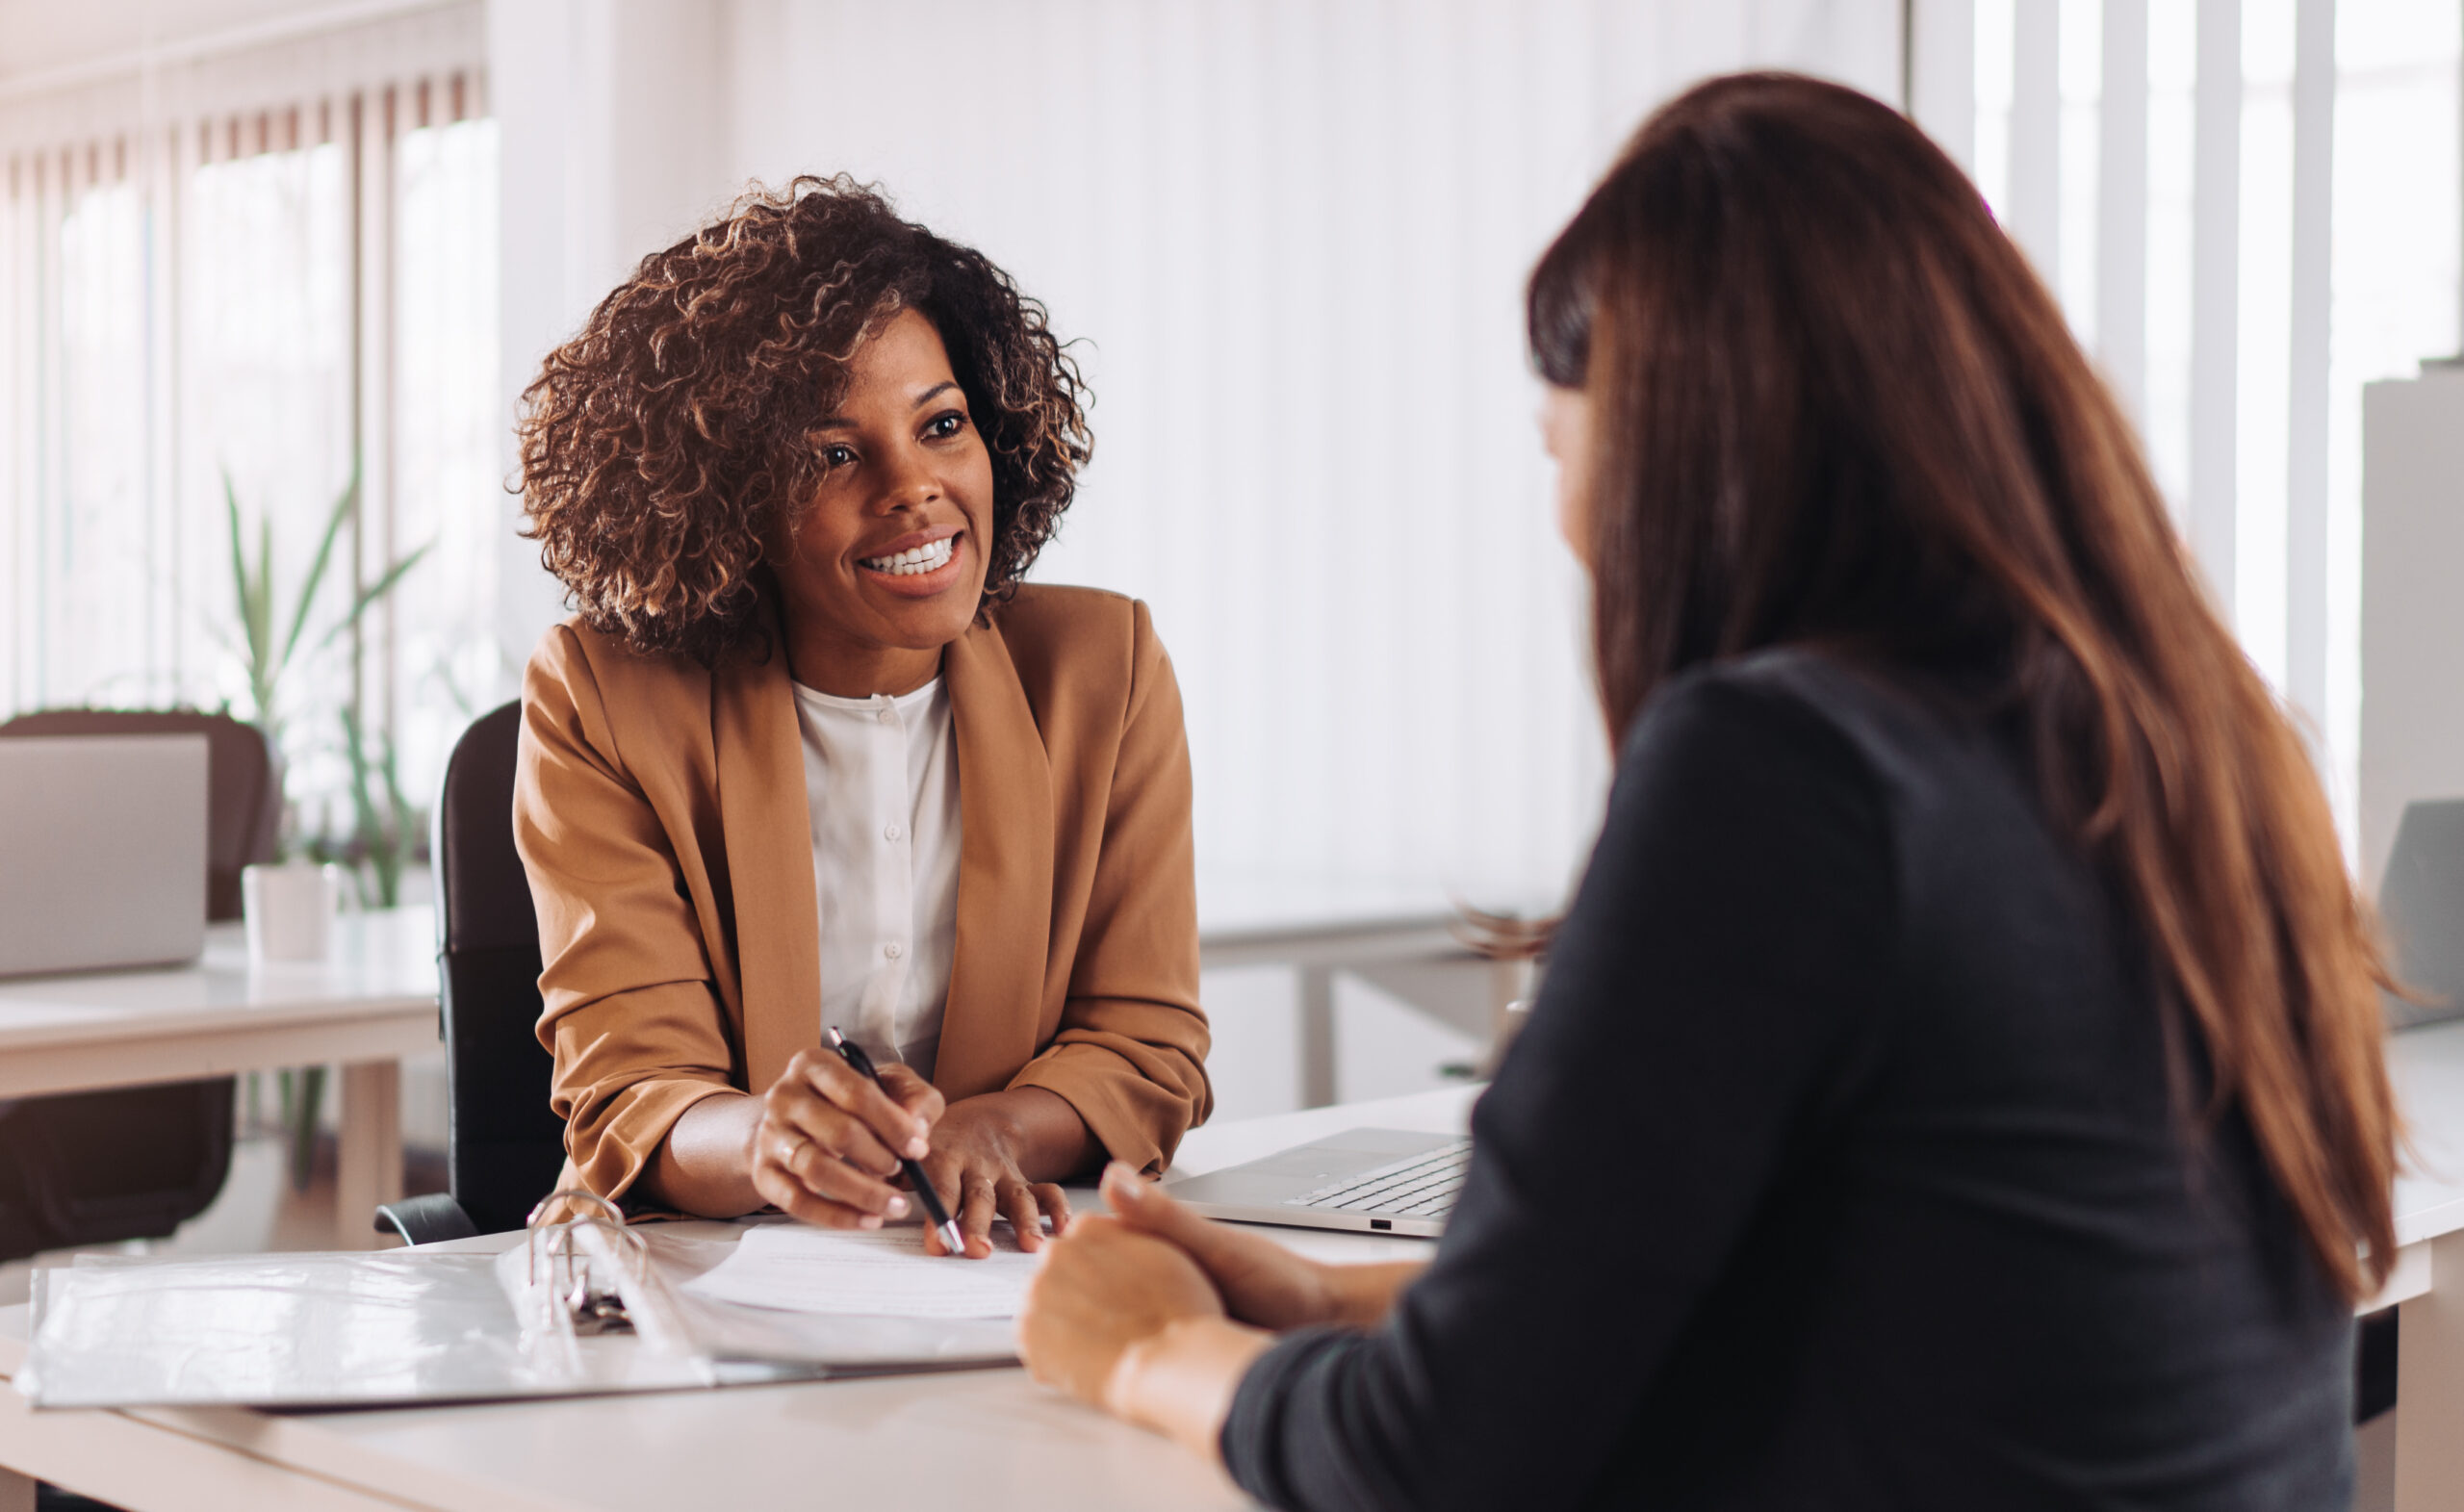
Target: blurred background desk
x=1319, y=925
x=369, y=1004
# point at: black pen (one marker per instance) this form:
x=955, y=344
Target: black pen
x=854, y=1056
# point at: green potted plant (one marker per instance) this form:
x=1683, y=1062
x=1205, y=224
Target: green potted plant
x=269, y=649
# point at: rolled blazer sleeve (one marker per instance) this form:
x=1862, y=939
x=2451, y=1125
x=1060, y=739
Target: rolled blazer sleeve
x=630, y=1013
x=1130, y=1053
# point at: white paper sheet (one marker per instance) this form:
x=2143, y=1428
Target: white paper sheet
x=877, y=1273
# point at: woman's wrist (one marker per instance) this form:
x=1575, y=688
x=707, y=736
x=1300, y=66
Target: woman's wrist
x=1180, y=1381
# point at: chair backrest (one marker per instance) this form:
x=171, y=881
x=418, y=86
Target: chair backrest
x=99, y=1168
x=505, y=1144
x=243, y=795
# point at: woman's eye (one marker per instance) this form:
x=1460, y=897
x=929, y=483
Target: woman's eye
x=944, y=426
x=837, y=456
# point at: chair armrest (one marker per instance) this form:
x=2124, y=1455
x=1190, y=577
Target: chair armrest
x=426, y=1220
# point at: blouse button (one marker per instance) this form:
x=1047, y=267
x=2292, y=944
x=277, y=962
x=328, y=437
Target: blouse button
x=892, y=832
x=888, y=717
x=892, y=950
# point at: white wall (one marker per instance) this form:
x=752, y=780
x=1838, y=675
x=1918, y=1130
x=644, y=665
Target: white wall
x=609, y=117
x=1292, y=238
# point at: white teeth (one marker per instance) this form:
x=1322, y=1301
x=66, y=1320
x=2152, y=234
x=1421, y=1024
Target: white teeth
x=910, y=563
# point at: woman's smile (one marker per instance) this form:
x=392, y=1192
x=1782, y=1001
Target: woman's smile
x=919, y=564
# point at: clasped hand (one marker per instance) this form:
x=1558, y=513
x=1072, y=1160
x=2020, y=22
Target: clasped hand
x=827, y=1145
x=1153, y=1312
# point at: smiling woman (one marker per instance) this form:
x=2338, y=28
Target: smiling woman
x=810, y=754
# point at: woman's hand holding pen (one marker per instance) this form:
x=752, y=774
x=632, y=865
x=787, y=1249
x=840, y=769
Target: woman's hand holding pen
x=829, y=1141
x=827, y=1147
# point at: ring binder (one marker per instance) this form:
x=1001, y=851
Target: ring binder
x=582, y=1305
x=556, y=1295
x=592, y=1275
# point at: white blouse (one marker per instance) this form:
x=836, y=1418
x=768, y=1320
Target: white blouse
x=882, y=782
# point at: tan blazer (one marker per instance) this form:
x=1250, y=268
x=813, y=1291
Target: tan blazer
x=661, y=812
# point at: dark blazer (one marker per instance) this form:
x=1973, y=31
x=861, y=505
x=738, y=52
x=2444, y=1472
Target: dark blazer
x=1838, y=1168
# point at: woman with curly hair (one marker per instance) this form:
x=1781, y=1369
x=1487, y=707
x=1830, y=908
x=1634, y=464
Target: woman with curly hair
x=811, y=754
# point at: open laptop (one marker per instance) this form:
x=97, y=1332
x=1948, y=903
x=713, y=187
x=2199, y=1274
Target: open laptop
x=1376, y=1181
x=102, y=851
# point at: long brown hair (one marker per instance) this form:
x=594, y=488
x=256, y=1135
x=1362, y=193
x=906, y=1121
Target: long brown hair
x=1833, y=404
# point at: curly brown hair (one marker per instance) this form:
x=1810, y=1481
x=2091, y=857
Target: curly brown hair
x=661, y=444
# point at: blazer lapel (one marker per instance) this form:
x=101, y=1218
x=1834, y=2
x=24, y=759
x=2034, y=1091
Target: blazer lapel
x=768, y=825
x=1005, y=870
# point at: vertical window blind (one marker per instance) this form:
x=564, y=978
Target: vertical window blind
x=2250, y=209
x=246, y=271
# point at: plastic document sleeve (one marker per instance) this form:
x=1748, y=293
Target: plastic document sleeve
x=577, y=1309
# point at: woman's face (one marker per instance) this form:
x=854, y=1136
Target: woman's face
x=1565, y=425
x=889, y=555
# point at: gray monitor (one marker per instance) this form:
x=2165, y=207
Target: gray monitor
x=2422, y=902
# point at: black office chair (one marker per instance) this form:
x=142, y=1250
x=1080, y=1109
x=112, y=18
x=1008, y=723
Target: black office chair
x=136, y=1162
x=504, y=1144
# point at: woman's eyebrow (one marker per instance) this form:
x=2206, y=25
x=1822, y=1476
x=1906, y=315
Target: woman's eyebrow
x=842, y=423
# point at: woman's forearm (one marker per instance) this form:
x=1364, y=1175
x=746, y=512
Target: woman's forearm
x=705, y=1165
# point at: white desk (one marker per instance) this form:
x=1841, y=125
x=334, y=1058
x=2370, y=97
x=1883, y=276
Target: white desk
x=372, y=1002
x=931, y=1440
x=918, y=1441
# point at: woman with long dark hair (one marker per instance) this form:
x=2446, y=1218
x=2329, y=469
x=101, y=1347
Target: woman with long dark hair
x=1958, y=1081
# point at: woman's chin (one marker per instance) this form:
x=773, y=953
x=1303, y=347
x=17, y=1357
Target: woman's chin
x=918, y=621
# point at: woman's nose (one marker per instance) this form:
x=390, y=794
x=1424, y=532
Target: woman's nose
x=911, y=484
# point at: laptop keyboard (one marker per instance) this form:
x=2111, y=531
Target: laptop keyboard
x=1417, y=1186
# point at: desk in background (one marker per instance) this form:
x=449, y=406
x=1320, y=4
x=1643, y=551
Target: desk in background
x=1319, y=924
x=369, y=1003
